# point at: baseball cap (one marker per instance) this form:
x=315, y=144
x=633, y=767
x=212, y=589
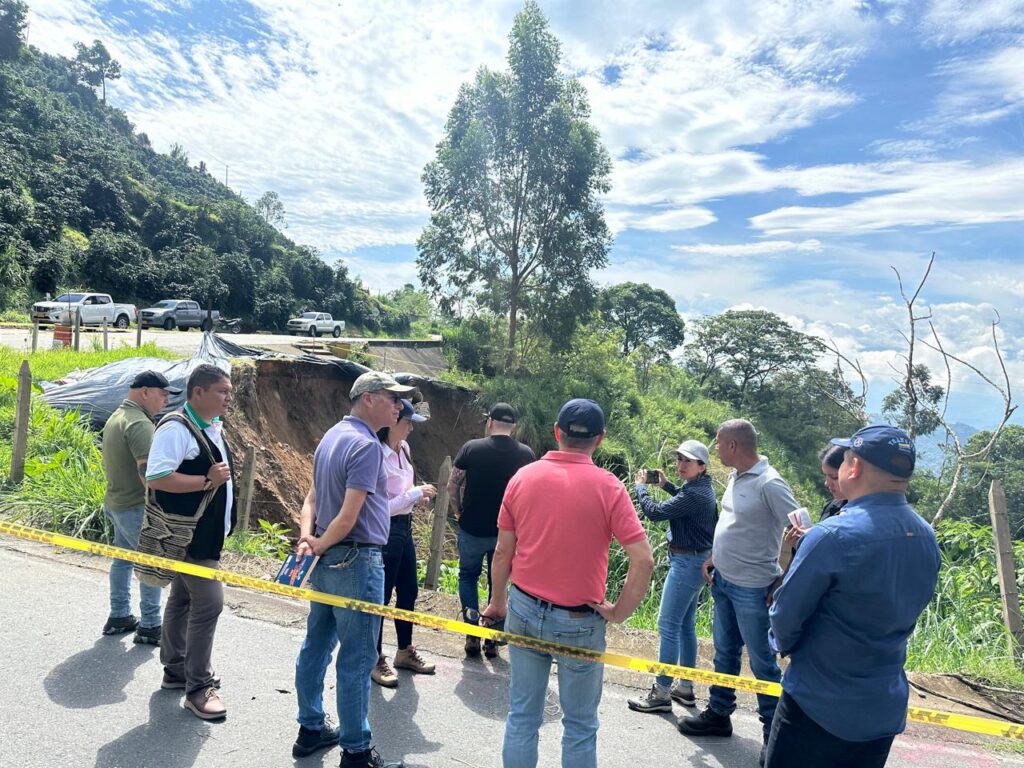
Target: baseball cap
x=412, y=412
x=375, y=381
x=693, y=449
x=502, y=412
x=581, y=418
x=153, y=379
x=888, y=448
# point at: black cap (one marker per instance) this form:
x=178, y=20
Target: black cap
x=153, y=379
x=502, y=412
x=581, y=418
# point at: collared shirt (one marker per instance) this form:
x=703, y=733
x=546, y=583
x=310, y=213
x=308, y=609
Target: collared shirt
x=565, y=511
x=755, y=509
x=127, y=436
x=173, y=444
x=691, y=512
x=845, y=610
x=351, y=456
x=401, y=476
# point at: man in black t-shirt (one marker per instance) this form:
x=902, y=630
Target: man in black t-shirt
x=482, y=469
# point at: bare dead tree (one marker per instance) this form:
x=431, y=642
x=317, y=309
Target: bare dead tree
x=852, y=402
x=909, y=379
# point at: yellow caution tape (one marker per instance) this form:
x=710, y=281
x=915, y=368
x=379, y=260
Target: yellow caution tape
x=969, y=723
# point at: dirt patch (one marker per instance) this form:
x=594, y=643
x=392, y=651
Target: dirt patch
x=283, y=408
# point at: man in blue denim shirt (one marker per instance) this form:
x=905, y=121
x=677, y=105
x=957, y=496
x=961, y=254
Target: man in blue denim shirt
x=348, y=503
x=845, y=610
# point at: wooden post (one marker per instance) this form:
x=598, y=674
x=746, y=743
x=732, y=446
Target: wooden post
x=35, y=336
x=78, y=328
x=1006, y=568
x=21, y=416
x=138, y=330
x=440, y=524
x=246, y=486
x=106, y=339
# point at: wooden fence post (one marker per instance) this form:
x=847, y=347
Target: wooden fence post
x=1006, y=568
x=138, y=330
x=78, y=328
x=245, y=492
x=106, y=339
x=440, y=524
x=35, y=336
x=21, y=417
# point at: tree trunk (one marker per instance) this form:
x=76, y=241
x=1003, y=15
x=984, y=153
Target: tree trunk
x=513, y=311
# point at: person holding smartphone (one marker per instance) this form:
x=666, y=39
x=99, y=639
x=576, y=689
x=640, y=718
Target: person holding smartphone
x=692, y=513
x=831, y=457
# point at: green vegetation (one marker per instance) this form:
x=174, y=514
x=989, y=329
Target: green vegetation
x=273, y=540
x=85, y=202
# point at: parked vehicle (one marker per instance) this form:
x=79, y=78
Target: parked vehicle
x=314, y=324
x=91, y=308
x=231, y=325
x=177, y=313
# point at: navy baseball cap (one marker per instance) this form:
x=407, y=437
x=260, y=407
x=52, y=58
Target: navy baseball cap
x=888, y=448
x=410, y=413
x=581, y=418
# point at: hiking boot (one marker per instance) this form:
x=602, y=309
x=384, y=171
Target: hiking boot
x=147, y=636
x=655, y=700
x=472, y=645
x=170, y=683
x=120, y=624
x=206, y=704
x=490, y=649
x=409, y=658
x=310, y=741
x=707, y=723
x=384, y=675
x=369, y=759
x=683, y=693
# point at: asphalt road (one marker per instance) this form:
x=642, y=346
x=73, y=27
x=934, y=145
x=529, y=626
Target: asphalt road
x=72, y=697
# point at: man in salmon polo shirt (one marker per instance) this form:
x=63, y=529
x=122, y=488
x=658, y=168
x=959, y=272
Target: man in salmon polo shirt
x=557, y=520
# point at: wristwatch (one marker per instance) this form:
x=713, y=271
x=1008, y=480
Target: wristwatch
x=208, y=484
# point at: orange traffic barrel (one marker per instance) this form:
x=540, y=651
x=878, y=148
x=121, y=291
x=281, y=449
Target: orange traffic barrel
x=62, y=336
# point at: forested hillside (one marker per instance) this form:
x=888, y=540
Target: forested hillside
x=86, y=202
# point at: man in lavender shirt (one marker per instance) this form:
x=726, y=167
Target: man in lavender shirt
x=345, y=521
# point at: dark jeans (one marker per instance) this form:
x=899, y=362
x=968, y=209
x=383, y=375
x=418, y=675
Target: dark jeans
x=400, y=576
x=473, y=550
x=796, y=741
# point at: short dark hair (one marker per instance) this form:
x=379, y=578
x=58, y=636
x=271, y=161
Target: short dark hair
x=832, y=456
x=204, y=376
x=579, y=443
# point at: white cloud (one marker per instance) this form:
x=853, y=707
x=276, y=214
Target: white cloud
x=762, y=248
x=675, y=219
x=953, y=21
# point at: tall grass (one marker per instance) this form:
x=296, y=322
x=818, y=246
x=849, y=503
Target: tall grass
x=52, y=364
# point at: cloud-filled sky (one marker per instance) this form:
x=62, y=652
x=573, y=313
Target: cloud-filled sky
x=781, y=155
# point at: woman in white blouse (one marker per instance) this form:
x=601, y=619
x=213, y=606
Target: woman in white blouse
x=400, y=552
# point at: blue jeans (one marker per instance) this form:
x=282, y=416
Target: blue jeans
x=348, y=572
x=579, y=683
x=741, y=618
x=472, y=551
x=127, y=526
x=677, y=618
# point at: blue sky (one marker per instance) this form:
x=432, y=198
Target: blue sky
x=781, y=155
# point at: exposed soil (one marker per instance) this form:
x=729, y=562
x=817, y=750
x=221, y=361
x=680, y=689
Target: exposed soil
x=283, y=408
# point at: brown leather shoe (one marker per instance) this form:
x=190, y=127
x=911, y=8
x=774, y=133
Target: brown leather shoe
x=206, y=704
x=384, y=675
x=409, y=658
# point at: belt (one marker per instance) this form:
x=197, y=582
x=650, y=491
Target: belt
x=357, y=544
x=548, y=604
x=684, y=551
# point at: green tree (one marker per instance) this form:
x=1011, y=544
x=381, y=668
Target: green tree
x=515, y=185
x=915, y=406
x=738, y=351
x=270, y=207
x=93, y=66
x=115, y=262
x=13, y=20
x=646, y=315
x=1005, y=462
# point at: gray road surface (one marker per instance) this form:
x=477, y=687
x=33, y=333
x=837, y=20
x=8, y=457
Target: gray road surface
x=71, y=697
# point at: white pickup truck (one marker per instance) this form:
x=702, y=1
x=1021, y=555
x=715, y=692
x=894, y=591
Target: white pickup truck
x=93, y=308
x=315, y=323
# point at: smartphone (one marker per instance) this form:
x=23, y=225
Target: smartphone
x=652, y=477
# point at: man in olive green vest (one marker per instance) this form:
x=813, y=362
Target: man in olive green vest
x=126, y=440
